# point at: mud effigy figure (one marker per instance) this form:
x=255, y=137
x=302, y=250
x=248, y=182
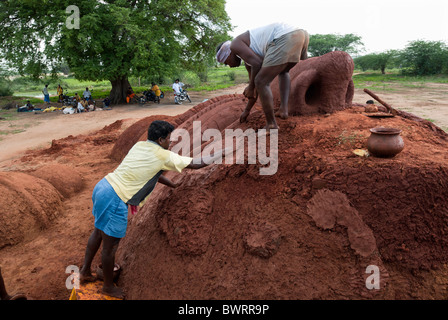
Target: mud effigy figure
x=319, y=85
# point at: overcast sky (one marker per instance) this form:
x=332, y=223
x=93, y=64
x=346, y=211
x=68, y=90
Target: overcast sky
x=382, y=24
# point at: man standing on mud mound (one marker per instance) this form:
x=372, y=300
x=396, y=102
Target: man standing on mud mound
x=268, y=52
x=130, y=184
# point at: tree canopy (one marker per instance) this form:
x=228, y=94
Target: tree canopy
x=116, y=39
x=419, y=57
x=425, y=57
x=321, y=44
x=377, y=61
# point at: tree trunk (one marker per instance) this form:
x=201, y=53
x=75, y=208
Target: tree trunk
x=119, y=88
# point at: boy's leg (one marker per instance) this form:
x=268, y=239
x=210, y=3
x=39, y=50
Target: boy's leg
x=3, y=293
x=110, y=246
x=92, y=248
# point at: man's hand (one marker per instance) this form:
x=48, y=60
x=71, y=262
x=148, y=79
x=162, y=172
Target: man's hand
x=250, y=92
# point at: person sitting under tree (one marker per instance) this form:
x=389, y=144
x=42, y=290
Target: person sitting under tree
x=87, y=94
x=129, y=95
x=155, y=88
x=268, y=52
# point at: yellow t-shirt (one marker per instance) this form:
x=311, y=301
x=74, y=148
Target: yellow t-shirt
x=156, y=90
x=134, y=179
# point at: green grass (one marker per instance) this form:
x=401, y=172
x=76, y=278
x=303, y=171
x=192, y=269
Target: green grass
x=217, y=78
x=377, y=80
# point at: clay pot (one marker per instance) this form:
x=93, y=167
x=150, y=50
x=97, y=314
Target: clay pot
x=385, y=142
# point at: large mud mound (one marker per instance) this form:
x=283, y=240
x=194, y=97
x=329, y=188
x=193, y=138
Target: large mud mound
x=309, y=231
x=28, y=205
x=64, y=178
x=216, y=113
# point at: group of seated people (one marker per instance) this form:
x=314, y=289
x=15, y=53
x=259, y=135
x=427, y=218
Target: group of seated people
x=84, y=104
x=28, y=107
x=154, y=91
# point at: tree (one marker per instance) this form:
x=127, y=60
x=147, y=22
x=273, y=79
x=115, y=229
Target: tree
x=321, y=44
x=116, y=39
x=376, y=61
x=425, y=57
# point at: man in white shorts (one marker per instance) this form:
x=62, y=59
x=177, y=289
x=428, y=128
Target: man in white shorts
x=268, y=52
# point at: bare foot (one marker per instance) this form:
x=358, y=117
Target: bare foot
x=244, y=115
x=114, y=292
x=86, y=277
x=268, y=127
x=282, y=114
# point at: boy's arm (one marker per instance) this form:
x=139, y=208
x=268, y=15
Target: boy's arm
x=164, y=180
x=197, y=165
x=205, y=161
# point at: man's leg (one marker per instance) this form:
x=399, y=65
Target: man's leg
x=92, y=248
x=110, y=246
x=284, y=82
x=262, y=84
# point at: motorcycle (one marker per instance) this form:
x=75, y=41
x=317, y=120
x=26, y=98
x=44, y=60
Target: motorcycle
x=68, y=101
x=150, y=96
x=182, y=96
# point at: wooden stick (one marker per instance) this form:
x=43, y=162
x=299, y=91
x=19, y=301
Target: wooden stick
x=374, y=96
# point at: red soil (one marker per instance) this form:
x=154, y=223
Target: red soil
x=307, y=232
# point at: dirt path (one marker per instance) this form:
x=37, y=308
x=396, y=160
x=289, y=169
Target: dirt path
x=41, y=128
x=428, y=101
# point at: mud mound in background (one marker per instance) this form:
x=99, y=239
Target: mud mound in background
x=64, y=178
x=228, y=109
x=28, y=204
x=310, y=231
x=132, y=135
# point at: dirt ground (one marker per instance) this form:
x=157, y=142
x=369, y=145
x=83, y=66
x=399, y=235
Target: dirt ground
x=37, y=267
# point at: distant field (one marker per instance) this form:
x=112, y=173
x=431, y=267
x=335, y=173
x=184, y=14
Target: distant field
x=376, y=80
x=217, y=78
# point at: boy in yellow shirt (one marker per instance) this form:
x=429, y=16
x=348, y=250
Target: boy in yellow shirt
x=130, y=184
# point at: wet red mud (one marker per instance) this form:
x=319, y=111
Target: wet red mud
x=309, y=231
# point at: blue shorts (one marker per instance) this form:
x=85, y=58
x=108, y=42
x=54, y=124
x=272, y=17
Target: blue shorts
x=110, y=212
x=46, y=98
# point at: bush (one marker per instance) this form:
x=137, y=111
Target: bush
x=425, y=57
x=231, y=75
x=190, y=78
x=5, y=88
